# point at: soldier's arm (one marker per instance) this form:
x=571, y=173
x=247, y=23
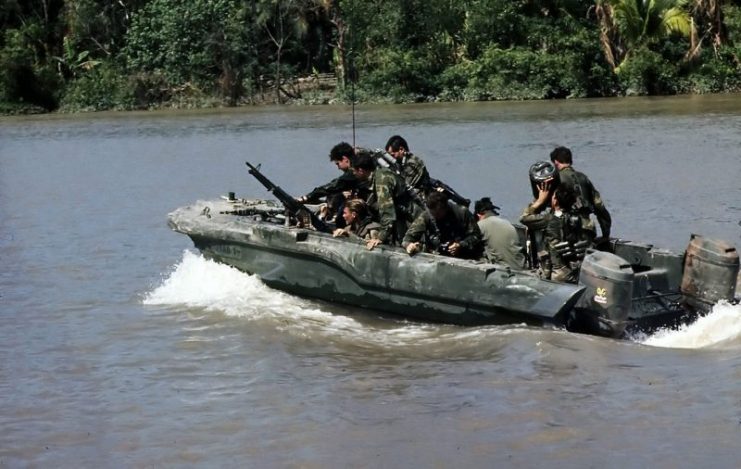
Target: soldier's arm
x=472, y=237
x=603, y=216
x=386, y=211
x=415, y=231
x=345, y=182
x=532, y=218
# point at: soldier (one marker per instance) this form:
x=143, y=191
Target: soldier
x=501, y=241
x=335, y=191
x=565, y=239
x=411, y=167
x=447, y=229
x=587, y=198
x=358, y=222
x=388, y=198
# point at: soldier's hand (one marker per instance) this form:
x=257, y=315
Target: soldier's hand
x=339, y=232
x=372, y=243
x=302, y=199
x=413, y=248
x=454, y=248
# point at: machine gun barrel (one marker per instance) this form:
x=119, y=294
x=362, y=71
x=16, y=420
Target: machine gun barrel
x=438, y=185
x=292, y=205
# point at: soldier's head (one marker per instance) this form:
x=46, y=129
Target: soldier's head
x=354, y=210
x=363, y=166
x=342, y=155
x=437, y=203
x=563, y=199
x=484, y=205
x=397, y=147
x=561, y=156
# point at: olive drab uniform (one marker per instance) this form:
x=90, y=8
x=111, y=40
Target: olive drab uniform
x=393, y=205
x=458, y=226
x=565, y=242
x=588, y=201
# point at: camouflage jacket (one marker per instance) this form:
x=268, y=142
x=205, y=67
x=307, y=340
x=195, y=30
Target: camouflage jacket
x=346, y=182
x=556, y=228
x=588, y=200
x=414, y=172
x=394, y=207
x=458, y=226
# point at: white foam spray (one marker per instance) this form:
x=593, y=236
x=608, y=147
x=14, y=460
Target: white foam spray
x=721, y=327
x=197, y=282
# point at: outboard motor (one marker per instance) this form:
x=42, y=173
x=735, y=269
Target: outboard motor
x=543, y=171
x=606, y=303
x=710, y=271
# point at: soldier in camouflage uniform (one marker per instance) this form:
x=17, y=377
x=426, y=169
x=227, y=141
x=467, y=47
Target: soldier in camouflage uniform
x=388, y=198
x=335, y=191
x=588, y=199
x=446, y=229
x=411, y=167
x=564, y=237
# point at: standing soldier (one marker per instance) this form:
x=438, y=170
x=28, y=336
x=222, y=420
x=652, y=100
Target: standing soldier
x=565, y=240
x=588, y=199
x=411, y=167
x=388, y=197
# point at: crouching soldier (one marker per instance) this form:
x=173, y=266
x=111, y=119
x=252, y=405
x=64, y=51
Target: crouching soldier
x=446, y=229
x=388, y=198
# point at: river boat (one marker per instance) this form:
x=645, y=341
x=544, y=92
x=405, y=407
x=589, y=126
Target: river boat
x=625, y=287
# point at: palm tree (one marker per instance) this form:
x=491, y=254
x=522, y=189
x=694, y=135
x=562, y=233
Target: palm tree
x=626, y=25
x=707, y=23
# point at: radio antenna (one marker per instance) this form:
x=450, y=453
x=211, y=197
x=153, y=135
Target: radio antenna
x=352, y=69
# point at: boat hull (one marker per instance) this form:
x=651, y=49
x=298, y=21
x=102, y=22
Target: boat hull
x=424, y=287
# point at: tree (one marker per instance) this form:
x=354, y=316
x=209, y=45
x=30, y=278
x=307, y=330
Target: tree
x=627, y=25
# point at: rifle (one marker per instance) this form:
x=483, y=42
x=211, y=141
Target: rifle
x=433, y=184
x=292, y=205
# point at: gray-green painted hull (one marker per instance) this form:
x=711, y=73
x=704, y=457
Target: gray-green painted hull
x=425, y=287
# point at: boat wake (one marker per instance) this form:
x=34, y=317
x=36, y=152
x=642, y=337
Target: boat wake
x=721, y=328
x=197, y=282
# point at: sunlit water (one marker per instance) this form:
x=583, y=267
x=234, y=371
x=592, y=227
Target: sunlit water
x=121, y=346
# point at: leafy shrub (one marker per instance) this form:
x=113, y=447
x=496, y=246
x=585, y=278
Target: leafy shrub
x=102, y=88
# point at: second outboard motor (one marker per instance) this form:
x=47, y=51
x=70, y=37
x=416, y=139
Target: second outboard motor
x=710, y=271
x=607, y=301
x=543, y=171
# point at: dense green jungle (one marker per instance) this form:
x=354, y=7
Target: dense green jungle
x=86, y=55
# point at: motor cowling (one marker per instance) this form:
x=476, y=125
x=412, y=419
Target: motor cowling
x=608, y=297
x=710, y=271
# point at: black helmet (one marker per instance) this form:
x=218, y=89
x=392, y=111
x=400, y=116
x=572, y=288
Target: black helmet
x=540, y=172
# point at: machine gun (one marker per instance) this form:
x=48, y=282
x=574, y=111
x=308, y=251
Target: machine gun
x=432, y=184
x=293, y=206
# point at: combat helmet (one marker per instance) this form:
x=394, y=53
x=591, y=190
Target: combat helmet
x=543, y=171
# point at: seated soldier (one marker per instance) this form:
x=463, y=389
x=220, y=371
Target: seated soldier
x=358, y=222
x=447, y=229
x=501, y=242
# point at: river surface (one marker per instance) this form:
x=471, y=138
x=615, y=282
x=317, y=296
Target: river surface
x=120, y=346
